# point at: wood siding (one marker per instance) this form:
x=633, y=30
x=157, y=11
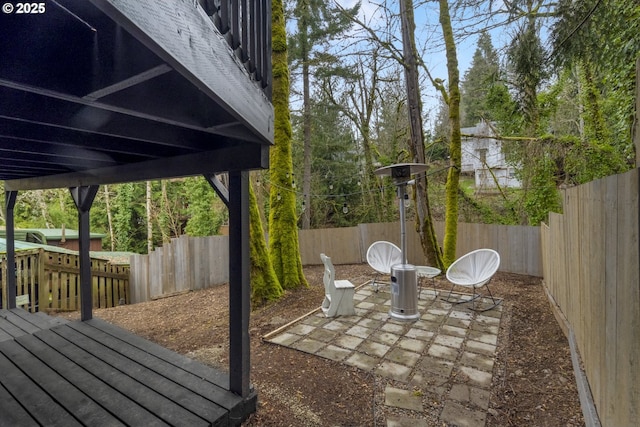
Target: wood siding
x=591, y=270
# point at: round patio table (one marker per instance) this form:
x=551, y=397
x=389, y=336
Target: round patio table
x=426, y=272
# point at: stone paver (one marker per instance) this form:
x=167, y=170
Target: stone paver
x=404, y=357
x=362, y=361
x=480, y=347
x=336, y=325
x=400, y=398
x=479, y=361
x=394, y=370
x=348, y=341
x=455, y=331
x=443, y=352
x=308, y=345
x=448, y=354
x=385, y=337
x=449, y=341
x=412, y=345
x=466, y=394
x=405, y=422
x=334, y=353
x=360, y=331
x=419, y=334
x=323, y=335
x=476, y=376
x=484, y=337
x=301, y=329
x=285, y=339
x=374, y=348
x=437, y=366
x=457, y=414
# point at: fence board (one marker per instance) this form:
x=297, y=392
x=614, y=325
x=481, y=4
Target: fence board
x=611, y=277
x=218, y=260
x=182, y=256
x=627, y=351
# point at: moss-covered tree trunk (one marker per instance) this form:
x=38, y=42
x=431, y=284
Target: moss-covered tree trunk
x=283, y=232
x=265, y=286
x=455, y=151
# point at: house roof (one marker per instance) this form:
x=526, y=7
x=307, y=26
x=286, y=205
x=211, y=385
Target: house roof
x=116, y=257
x=51, y=233
x=105, y=91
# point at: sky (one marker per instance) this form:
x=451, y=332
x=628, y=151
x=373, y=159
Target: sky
x=428, y=35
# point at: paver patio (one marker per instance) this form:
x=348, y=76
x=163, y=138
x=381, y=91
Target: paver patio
x=448, y=353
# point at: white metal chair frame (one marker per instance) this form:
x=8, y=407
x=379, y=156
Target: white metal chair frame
x=381, y=256
x=475, y=270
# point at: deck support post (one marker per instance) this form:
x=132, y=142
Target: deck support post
x=83, y=197
x=10, y=203
x=239, y=283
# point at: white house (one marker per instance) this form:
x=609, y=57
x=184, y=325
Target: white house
x=482, y=156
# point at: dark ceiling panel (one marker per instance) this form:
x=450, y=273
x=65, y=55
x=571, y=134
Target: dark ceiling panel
x=82, y=100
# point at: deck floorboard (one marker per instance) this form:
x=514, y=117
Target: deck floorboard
x=93, y=373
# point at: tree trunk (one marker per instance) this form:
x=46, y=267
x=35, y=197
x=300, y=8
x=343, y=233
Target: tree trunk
x=265, y=286
x=283, y=232
x=149, y=222
x=424, y=222
x=107, y=202
x=306, y=117
x=455, y=150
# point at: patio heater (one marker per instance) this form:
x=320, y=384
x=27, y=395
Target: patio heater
x=404, y=283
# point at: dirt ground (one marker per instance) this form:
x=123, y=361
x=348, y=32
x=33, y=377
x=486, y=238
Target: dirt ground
x=533, y=381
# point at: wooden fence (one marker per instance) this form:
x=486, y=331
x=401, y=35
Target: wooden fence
x=519, y=246
x=199, y=262
x=591, y=258
x=51, y=281
x=186, y=263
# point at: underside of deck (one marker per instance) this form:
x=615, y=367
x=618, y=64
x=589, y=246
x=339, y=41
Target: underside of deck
x=92, y=373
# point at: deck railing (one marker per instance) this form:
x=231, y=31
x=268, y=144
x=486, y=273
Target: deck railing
x=246, y=25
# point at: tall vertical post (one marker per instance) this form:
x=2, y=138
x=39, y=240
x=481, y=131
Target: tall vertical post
x=10, y=203
x=403, y=225
x=83, y=197
x=239, y=283
x=636, y=122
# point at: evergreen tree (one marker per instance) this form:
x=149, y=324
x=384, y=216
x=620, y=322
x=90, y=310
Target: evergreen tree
x=205, y=212
x=479, y=81
x=317, y=25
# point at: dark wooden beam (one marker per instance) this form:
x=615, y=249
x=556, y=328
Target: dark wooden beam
x=219, y=188
x=239, y=284
x=10, y=203
x=203, y=58
x=240, y=157
x=83, y=198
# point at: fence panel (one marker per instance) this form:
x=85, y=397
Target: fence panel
x=200, y=262
x=592, y=271
x=341, y=244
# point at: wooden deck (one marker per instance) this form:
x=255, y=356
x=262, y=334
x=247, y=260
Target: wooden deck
x=59, y=373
